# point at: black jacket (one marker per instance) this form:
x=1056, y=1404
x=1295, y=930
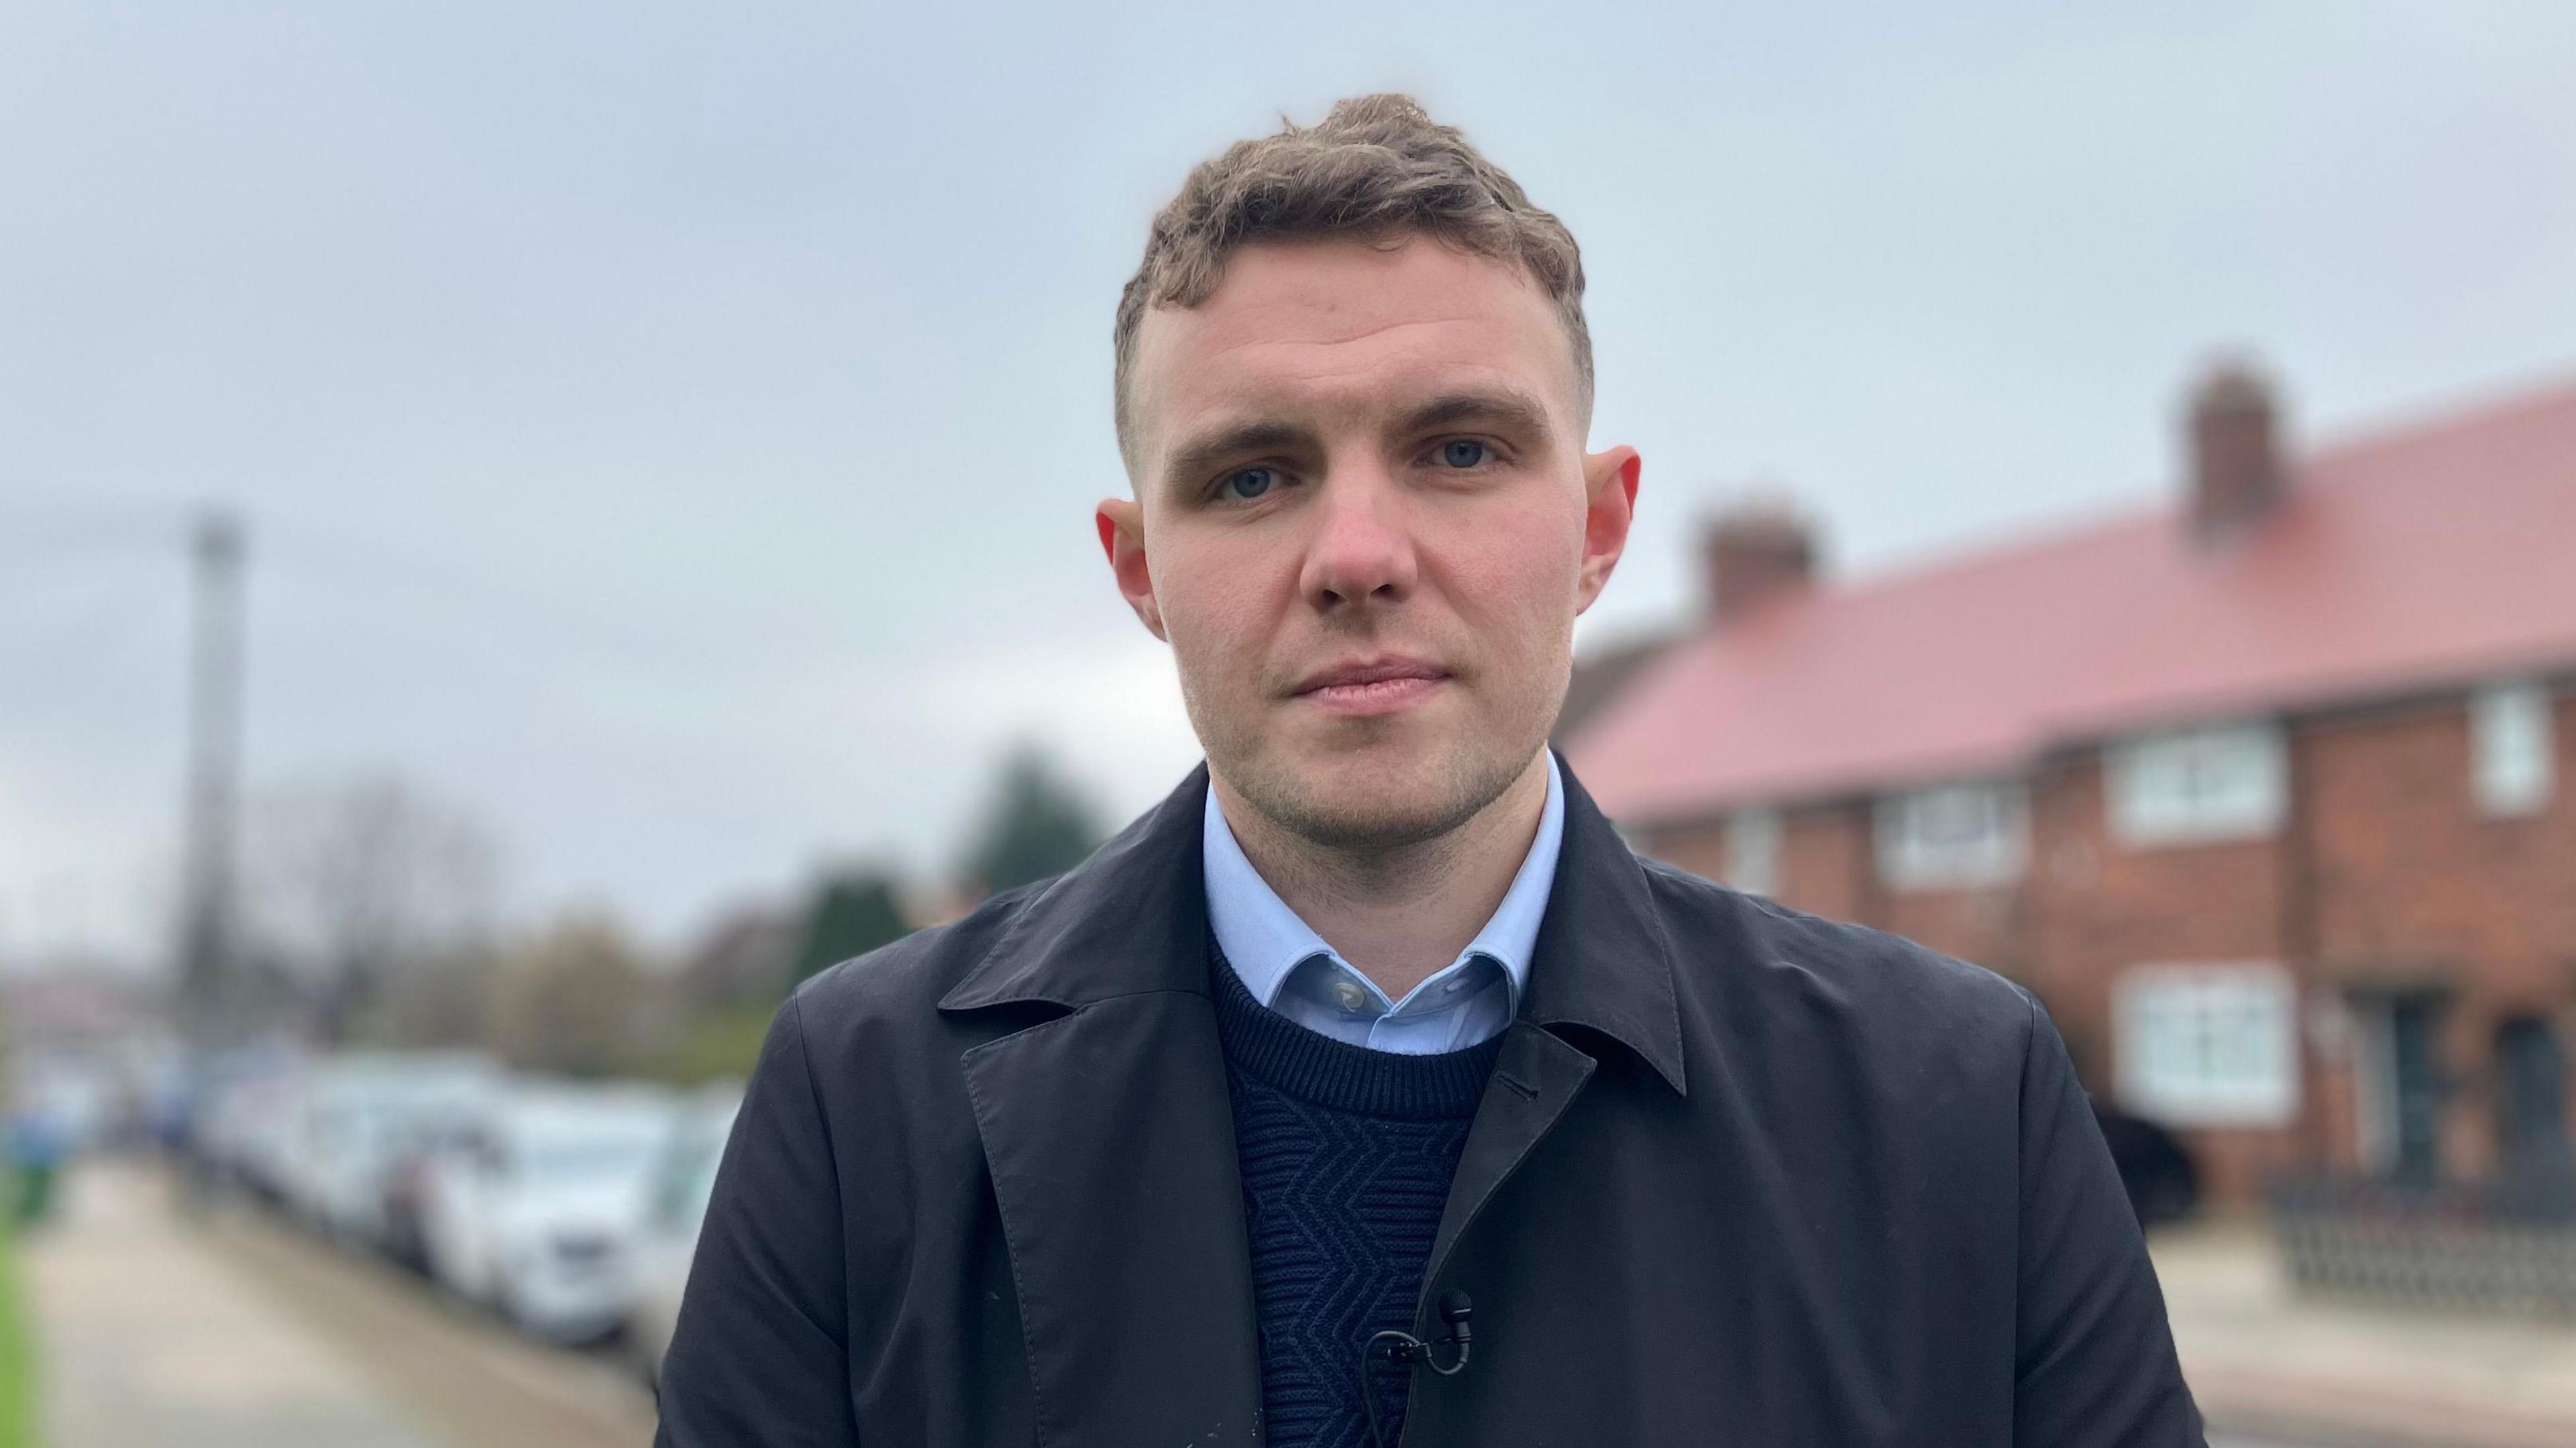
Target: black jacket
x=1742, y=1176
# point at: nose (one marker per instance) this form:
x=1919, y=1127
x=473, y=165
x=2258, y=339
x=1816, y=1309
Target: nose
x=1362, y=552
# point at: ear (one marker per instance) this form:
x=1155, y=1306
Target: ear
x=1121, y=522
x=1609, y=505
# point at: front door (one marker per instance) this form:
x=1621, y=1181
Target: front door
x=2531, y=1113
x=2415, y=1088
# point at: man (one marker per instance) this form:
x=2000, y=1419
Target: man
x=1369, y=1085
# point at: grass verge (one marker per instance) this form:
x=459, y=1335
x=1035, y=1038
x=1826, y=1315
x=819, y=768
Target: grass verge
x=17, y=1354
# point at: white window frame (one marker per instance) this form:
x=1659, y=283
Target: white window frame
x=1921, y=845
x=1753, y=851
x=2200, y=785
x=2513, y=746
x=2208, y=1043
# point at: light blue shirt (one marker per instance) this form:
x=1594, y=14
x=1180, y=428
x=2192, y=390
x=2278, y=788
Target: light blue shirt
x=1289, y=968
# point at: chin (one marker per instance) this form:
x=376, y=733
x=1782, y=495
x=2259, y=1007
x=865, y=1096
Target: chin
x=1376, y=799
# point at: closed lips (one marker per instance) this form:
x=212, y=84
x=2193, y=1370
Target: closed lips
x=1353, y=675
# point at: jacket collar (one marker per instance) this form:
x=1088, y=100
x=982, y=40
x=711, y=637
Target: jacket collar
x=1603, y=959
x=1133, y=919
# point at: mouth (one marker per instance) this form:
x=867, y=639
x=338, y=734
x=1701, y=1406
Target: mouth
x=1373, y=686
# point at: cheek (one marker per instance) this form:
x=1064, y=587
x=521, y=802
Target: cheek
x=1218, y=603
x=1517, y=569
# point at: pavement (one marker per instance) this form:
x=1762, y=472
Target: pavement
x=231, y=1331
x=144, y=1340
x=469, y=1377
x=2265, y=1363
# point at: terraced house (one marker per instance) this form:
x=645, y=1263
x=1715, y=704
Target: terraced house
x=2270, y=793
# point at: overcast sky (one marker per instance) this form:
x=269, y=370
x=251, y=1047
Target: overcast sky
x=669, y=431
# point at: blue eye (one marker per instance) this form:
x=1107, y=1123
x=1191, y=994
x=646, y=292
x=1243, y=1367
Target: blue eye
x=1250, y=483
x=1463, y=453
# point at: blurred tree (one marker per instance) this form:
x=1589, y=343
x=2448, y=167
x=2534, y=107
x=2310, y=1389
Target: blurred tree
x=573, y=1000
x=355, y=880
x=710, y=1044
x=747, y=958
x=1037, y=825
x=430, y=1001
x=852, y=914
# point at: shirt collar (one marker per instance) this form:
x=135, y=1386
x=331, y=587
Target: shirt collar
x=1264, y=940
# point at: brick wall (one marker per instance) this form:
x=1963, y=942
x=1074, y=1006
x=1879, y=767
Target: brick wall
x=2416, y=887
x=2385, y=874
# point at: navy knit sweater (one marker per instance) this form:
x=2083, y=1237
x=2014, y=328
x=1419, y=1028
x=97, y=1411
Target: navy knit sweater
x=1347, y=1155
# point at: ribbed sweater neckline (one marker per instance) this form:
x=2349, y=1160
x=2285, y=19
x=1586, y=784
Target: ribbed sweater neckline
x=1313, y=1067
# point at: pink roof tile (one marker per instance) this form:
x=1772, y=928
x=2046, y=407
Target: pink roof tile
x=2418, y=558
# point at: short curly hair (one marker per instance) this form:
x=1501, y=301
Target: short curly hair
x=1377, y=169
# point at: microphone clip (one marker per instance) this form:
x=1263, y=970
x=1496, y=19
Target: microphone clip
x=1456, y=1310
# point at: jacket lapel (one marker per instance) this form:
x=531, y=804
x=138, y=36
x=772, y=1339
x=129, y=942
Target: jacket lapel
x=1110, y=1140
x=1602, y=964
x=1535, y=1079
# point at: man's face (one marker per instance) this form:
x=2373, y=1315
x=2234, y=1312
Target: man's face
x=1365, y=523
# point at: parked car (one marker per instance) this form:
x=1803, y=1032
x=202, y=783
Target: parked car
x=361, y=1113
x=675, y=1207
x=404, y=1205
x=535, y=1208
x=253, y=1112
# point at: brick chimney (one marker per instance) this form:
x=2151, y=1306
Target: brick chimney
x=2236, y=468
x=1754, y=552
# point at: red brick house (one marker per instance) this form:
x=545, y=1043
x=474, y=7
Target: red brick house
x=2270, y=794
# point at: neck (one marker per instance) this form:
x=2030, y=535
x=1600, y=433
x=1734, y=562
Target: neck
x=1403, y=913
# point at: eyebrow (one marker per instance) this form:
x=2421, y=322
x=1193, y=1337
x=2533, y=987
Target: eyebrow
x=1507, y=408
x=1204, y=452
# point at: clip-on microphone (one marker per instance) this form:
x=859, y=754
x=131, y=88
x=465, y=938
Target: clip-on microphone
x=1403, y=1347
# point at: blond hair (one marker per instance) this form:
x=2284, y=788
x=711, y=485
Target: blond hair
x=1376, y=169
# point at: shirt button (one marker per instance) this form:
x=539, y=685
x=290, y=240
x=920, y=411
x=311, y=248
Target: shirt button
x=1349, y=994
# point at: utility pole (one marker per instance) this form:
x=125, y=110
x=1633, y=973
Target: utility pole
x=209, y=993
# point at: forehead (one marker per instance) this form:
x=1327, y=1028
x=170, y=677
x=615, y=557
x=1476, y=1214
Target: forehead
x=1304, y=328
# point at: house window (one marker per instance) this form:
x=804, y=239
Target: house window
x=2225, y=782
x=1753, y=851
x=2207, y=1045
x=2510, y=746
x=1953, y=835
